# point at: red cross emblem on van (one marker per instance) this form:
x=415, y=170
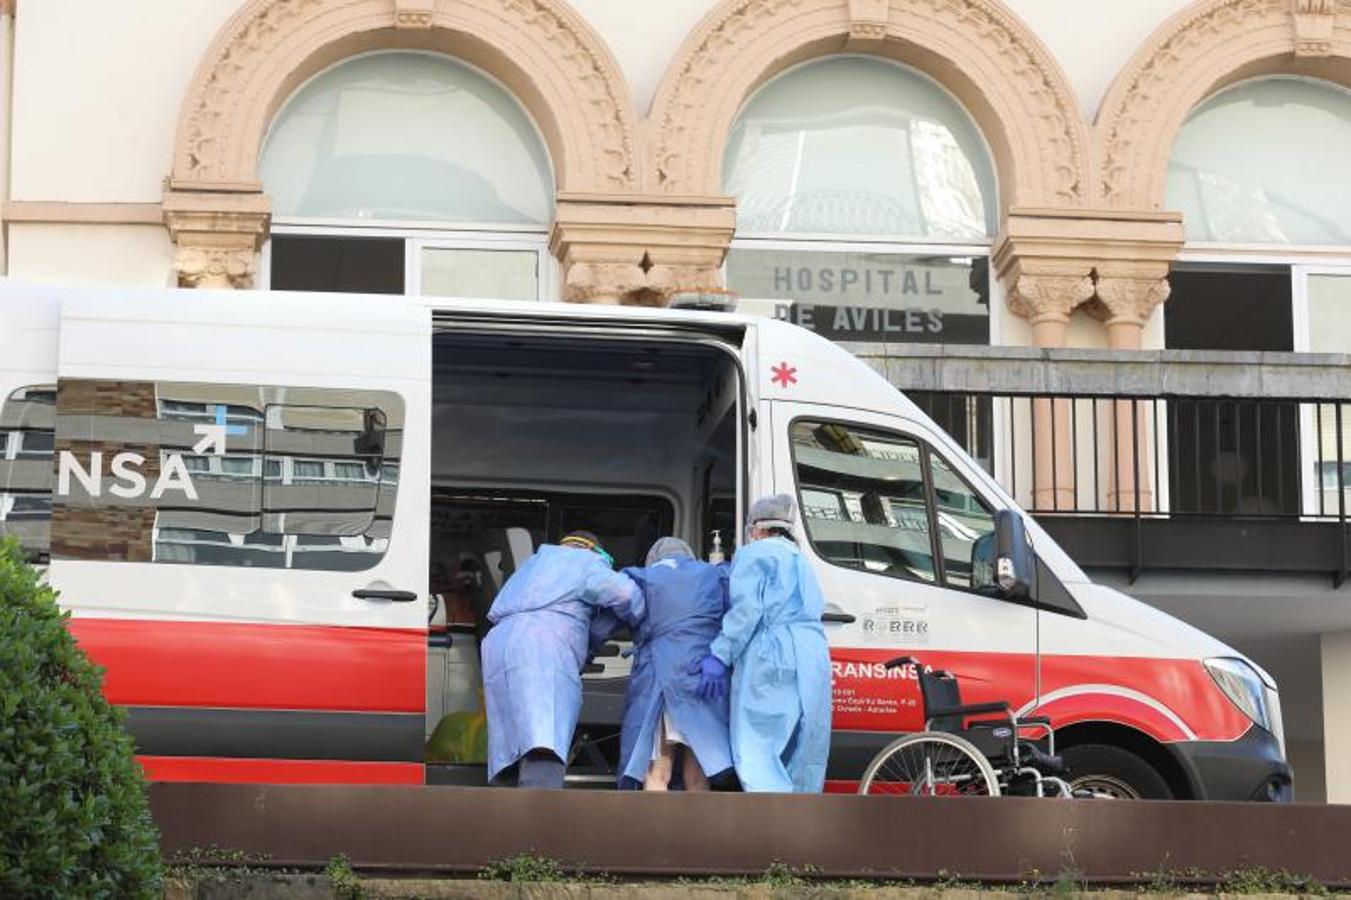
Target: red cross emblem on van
x=783, y=374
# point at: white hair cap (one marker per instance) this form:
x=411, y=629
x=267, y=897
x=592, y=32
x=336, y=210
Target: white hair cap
x=669, y=548
x=774, y=511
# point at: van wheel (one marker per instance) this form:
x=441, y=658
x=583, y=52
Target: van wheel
x=1111, y=772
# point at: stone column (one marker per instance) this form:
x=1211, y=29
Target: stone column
x=217, y=235
x=1127, y=295
x=1046, y=296
x=1130, y=250
x=640, y=251
x=1336, y=665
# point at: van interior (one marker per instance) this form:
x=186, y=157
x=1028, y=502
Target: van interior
x=538, y=434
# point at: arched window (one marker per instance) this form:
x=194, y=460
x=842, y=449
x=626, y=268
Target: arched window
x=408, y=172
x=1242, y=170
x=862, y=147
x=1252, y=165
x=866, y=196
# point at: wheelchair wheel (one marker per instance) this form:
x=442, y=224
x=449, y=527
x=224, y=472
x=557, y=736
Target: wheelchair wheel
x=930, y=764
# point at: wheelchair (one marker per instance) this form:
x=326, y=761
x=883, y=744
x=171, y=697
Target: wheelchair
x=966, y=750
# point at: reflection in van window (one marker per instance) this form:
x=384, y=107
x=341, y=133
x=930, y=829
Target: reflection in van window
x=963, y=519
x=863, y=499
x=27, y=423
x=230, y=475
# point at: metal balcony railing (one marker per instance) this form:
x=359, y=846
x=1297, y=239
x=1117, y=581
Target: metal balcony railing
x=1159, y=459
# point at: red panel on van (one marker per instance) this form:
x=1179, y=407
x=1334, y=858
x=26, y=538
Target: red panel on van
x=279, y=771
x=247, y=665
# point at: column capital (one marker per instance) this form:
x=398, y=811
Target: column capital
x=217, y=235
x=1049, y=293
x=1129, y=294
x=640, y=250
x=1046, y=257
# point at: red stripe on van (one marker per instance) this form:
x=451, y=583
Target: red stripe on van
x=251, y=666
x=1126, y=690
x=278, y=771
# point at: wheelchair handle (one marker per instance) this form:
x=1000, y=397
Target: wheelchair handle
x=900, y=661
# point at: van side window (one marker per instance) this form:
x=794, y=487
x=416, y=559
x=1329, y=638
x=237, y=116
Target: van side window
x=27, y=434
x=887, y=503
x=862, y=495
x=963, y=519
x=228, y=475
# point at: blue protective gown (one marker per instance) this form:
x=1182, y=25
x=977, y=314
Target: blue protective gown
x=773, y=639
x=534, y=654
x=685, y=601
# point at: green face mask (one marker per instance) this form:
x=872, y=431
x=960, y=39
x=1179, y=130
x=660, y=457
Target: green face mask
x=609, y=560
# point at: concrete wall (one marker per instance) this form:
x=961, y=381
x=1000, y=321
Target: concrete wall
x=1307, y=759
x=97, y=86
x=1336, y=723
x=90, y=254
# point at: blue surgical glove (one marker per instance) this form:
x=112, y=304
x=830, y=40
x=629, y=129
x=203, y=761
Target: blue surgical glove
x=712, y=674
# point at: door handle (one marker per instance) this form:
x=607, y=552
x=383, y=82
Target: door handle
x=391, y=596
x=834, y=618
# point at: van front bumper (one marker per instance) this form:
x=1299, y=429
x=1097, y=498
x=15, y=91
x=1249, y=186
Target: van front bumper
x=1250, y=768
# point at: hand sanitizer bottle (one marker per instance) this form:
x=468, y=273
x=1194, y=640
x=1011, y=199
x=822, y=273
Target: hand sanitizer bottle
x=715, y=555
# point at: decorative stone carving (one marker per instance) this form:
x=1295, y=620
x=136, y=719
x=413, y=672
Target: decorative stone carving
x=541, y=49
x=413, y=13
x=597, y=282
x=217, y=235
x=1209, y=45
x=1129, y=294
x=1050, y=297
x=1010, y=82
x=1314, y=22
x=635, y=250
x=868, y=19
x=215, y=267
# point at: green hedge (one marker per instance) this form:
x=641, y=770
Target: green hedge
x=73, y=815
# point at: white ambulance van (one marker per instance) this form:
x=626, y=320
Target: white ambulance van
x=278, y=520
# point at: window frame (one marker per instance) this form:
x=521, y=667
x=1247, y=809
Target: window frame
x=931, y=508
x=419, y=235
x=1300, y=262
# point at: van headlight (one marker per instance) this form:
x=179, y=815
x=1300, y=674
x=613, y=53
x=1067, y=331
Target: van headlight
x=1241, y=684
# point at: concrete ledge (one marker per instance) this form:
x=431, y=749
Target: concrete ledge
x=317, y=887
x=633, y=834
x=1142, y=373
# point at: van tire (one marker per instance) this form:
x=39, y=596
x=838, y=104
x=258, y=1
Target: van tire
x=1114, y=772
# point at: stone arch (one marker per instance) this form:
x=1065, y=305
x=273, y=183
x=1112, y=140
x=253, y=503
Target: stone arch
x=541, y=50
x=979, y=50
x=1204, y=48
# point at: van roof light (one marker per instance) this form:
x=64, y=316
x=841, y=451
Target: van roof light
x=710, y=300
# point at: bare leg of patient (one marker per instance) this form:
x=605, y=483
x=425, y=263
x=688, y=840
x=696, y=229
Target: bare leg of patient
x=695, y=779
x=660, y=769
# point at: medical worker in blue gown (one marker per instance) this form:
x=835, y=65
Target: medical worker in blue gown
x=773, y=642
x=665, y=717
x=533, y=656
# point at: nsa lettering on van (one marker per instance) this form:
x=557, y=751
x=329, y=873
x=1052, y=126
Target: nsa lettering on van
x=127, y=469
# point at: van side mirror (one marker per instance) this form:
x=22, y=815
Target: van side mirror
x=1002, y=563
